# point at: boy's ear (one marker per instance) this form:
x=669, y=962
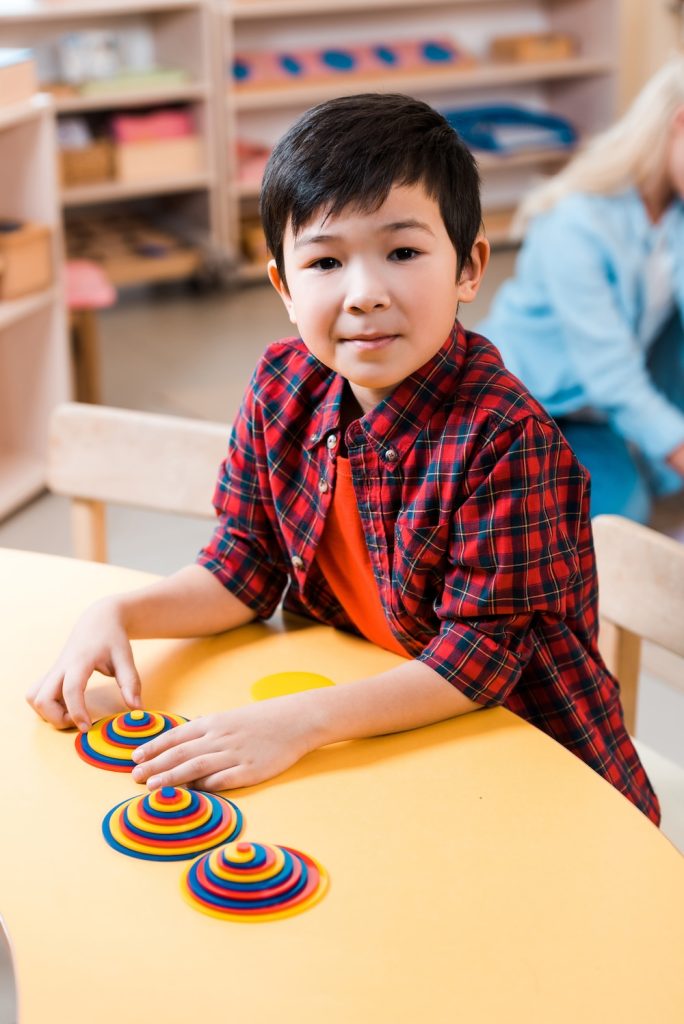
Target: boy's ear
x=471, y=275
x=280, y=286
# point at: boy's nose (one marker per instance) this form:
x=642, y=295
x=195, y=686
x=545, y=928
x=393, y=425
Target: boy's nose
x=365, y=293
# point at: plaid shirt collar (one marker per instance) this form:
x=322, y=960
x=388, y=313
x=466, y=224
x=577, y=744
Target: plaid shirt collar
x=398, y=419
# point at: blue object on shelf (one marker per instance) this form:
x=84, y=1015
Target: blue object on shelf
x=385, y=54
x=436, y=53
x=339, y=60
x=240, y=70
x=507, y=128
x=290, y=64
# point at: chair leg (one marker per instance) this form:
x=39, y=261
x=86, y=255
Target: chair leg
x=622, y=653
x=86, y=358
x=88, y=530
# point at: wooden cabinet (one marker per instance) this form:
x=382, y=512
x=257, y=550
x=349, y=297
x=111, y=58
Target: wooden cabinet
x=185, y=200
x=34, y=357
x=218, y=204
x=581, y=87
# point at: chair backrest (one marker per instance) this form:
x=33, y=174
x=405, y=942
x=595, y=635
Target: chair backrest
x=98, y=455
x=641, y=597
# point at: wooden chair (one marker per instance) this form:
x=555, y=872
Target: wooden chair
x=98, y=454
x=641, y=597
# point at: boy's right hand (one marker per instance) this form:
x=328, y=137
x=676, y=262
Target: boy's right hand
x=99, y=642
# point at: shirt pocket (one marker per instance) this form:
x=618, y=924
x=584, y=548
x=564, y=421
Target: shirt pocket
x=419, y=564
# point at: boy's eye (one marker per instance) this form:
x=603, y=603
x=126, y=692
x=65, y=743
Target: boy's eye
x=404, y=253
x=325, y=263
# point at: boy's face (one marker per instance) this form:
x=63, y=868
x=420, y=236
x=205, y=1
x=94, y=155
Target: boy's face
x=374, y=295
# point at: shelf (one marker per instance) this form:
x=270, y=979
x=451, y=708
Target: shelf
x=530, y=158
x=480, y=76
x=19, y=113
x=243, y=10
x=487, y=162
x=22, y=477
x=252, y=273
x=497, y=225
x=113, y=191
x=121, y=99
x=49, y=10
x=13, y=310
x=178, y=266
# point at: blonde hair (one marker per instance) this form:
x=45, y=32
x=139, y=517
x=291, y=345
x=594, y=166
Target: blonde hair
x=628, y=154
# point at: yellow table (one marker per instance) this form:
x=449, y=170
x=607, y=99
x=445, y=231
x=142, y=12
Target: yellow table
x=479, y=872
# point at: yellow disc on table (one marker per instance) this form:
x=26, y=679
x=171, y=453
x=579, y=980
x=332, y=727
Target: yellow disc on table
x=281, y=683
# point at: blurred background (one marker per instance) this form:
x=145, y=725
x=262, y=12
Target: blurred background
x=133, y=136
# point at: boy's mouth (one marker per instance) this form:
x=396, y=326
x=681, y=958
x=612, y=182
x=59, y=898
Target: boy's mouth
x=371, y=341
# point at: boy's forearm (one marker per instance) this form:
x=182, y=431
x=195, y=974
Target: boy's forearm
x=405, y=697
x=192, y=602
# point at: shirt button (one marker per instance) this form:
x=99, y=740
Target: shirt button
x=331, y=441
x=323, y=486
x=297, y=562
x=391, y=455
x=313, y=438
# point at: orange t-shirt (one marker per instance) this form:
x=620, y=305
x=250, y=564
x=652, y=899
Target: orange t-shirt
x=343, y=558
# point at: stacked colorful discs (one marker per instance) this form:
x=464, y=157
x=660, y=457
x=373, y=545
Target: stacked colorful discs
x=254, y=882
x=171, y=824
x=111, y=741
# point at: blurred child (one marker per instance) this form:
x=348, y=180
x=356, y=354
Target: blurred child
x=592, y=320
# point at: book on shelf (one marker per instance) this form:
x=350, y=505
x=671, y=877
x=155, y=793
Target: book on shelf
x=18, y=81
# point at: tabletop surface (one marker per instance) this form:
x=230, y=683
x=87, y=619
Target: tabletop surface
x=478, y=871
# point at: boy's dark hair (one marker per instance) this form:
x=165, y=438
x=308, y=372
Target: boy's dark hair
x=352, y=150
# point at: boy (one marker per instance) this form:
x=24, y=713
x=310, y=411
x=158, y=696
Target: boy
x=388, y=471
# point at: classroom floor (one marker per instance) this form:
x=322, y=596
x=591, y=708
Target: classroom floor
x=172, y=351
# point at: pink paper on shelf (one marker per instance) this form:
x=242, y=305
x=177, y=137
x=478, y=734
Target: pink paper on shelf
x=163, y=124
x=252, y=159
x=261, y=68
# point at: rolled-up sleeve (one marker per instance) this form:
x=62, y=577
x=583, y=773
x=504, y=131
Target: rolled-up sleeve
x=243, y=552
x=513, y=557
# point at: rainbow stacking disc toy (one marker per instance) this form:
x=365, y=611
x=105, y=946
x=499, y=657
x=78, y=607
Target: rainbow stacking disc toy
x=253, y=882
x=110, y=742
x=171, y=823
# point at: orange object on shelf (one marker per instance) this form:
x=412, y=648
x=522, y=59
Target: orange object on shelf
x=25, y=258
x=534, y=46
x=89, y=165
x=159, y=158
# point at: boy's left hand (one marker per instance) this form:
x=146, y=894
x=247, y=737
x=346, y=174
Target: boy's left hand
x=228, y=749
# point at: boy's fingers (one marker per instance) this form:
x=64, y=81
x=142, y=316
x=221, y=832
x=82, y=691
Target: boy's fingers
x=52, y=710
x=45, y=698
x=229, y=778
x=187, y=771
x=73, y=692
x=171, y=738
x=127, y=675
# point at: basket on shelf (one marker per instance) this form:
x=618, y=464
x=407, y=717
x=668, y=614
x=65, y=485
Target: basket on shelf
x=86, y=166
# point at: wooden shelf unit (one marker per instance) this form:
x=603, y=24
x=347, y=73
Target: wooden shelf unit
x=582, y=88
x=34, y=352
x=421, y=82
x=202, y=36
x=128, y=100
x=113, y=191
x=21, y=11
x=184, y=39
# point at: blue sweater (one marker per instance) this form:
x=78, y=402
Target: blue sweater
x=567, y=323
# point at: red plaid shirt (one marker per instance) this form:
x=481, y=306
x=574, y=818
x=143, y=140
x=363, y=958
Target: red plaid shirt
x=476, y=517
